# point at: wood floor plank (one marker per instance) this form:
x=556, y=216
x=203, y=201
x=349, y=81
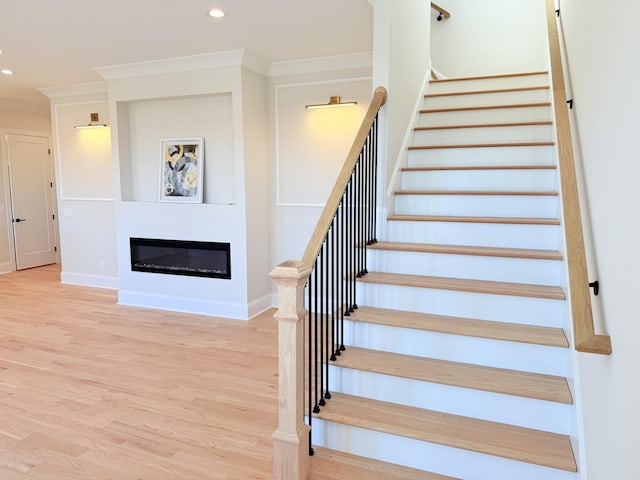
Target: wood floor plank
x=469, y=250
x=513, y=332
x=517, y=443
x=466, y=285
x=90, y=389
x=488, y=379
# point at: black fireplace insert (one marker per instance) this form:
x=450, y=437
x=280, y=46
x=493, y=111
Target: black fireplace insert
x=181, y=257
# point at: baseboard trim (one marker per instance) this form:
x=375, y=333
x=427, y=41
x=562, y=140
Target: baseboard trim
x=89, y=280
x=236, y=311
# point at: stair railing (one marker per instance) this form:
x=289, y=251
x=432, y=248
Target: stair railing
x=335, y=257
x=585, y=337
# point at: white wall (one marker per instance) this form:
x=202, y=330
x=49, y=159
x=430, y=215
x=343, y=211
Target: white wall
x=401, y=45
x=309, y=146
x=604, y=65
x=489, y=37
x=15, y=119
x=85, y=189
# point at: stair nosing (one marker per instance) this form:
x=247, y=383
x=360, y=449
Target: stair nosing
x=482, y=436
x=425, y=111
x=478, y=167
x=469, y=327
x=397, y=472
x=550, y=388
x=471, y=219
x=486, y=125
x=489, y=77
x=466, y=285
x=523, y=193
x=482, y=145
x=483, y=92
x=505, y=252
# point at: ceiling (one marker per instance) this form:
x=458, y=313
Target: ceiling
x=55, y=43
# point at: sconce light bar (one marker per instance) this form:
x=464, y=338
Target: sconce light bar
x=333, y=102
x=94, y=123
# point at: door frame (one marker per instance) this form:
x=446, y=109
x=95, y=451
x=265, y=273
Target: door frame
x=6, y=197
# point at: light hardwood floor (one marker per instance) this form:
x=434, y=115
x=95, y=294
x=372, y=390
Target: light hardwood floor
x=90, y=390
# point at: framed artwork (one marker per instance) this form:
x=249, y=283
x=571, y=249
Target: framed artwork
x=182, y=162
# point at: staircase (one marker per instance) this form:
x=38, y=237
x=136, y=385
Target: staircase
x=456, y=359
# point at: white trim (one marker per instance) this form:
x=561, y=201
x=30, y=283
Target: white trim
x=78, y=89
x=6, y=268
x=230, y=58
x=260, y=305
x=279, y=203
x=321, y=64
x=89, y=280
x=238, y=311
x=87, y=199
x=58, y=155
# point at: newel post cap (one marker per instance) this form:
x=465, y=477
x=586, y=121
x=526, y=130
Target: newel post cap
x=290, y=272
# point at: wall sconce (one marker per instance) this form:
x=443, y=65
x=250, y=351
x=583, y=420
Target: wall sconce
x=94, y=123
x=333, y=102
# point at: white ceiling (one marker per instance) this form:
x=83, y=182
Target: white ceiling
x=59, y=42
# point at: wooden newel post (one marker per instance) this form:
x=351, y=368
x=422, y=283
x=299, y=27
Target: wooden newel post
x=291, y=439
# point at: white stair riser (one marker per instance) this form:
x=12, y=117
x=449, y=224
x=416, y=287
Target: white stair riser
x=428, y=456
x=457, y=348
x=477, y=117
x=483, y=180
x=534, y=206
x=500, y=269
x=481, y=156
x=495, y=407
x=479, y=136
x=488, y=84
x=483, y=306
x=544, y=237
x=481, y=99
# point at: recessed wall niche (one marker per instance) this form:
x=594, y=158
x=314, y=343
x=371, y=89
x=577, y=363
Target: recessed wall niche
x=141, y=126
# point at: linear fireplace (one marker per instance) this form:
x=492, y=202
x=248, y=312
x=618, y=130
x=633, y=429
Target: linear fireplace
x=181, y=257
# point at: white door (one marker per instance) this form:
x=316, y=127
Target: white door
x=31, y=200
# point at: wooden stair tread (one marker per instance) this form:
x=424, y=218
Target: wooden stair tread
x=466, y=285
x=469, y=250
x=475, y=192
x=481, y=145
x=485, y=125
x=512, y=332
x=477, y=167
x=480, y=92
x=329, y=464
x=498, y=220
x=491, y=438
x=463, y=375
x=486, y=77
x=485, y=107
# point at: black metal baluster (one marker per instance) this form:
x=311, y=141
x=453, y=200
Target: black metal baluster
x=321, y=314
x=374, y=136
x=326, y=354
x=310, y=359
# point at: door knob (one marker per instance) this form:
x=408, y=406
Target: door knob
x=18, y=220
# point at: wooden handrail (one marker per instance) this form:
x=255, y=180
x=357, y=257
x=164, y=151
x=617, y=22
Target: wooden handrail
x=585, y=337
x=441, y=10
x=379, y=98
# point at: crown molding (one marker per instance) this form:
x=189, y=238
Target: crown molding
x=332, y=63
x=79, y=89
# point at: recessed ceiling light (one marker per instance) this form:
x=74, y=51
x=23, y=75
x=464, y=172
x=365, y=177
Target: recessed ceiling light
x=6, y=71
x=1, y=52
x=216, y=13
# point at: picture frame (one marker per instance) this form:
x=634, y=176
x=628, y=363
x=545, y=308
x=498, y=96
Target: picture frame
x=181, y=170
